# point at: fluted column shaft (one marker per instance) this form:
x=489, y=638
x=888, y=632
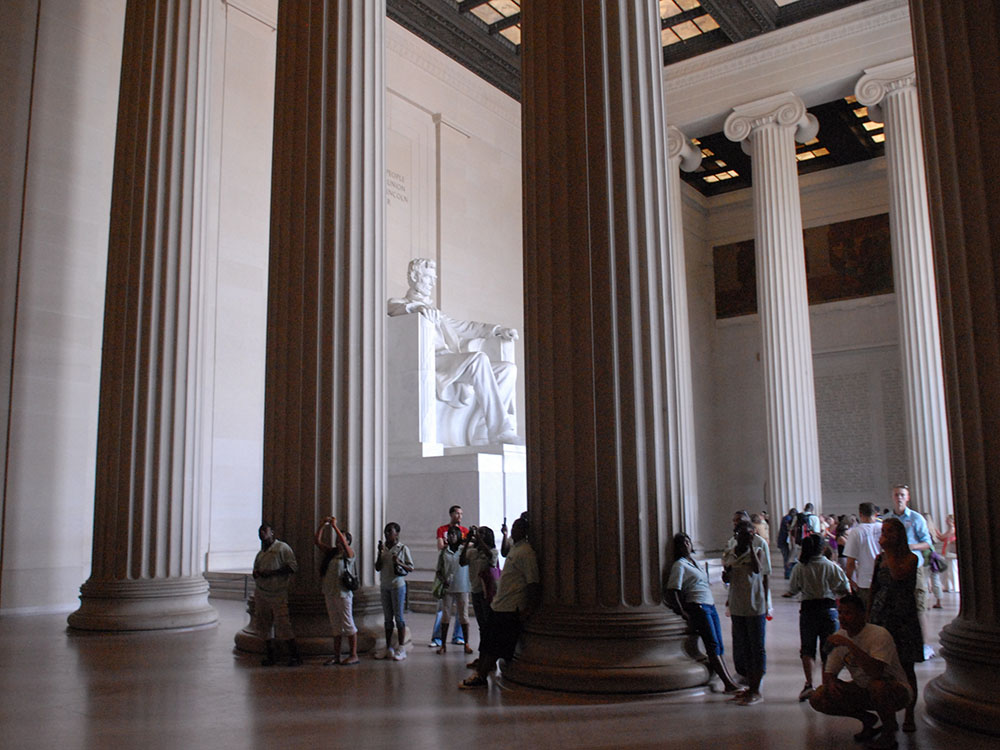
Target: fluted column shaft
x=598, y=338
x=892, y=89
x=681, y=154
x=768, y=129
x=955, y=44
x=323, y=398
x=146, y=571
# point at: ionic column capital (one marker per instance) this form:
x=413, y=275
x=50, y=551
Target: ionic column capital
x=680, y=146
x=786, y=110
x=883, y=80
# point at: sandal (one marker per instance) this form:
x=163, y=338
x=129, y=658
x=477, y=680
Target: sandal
x=472, y=683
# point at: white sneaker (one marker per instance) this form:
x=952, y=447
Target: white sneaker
x=400, y=655
x=384, y=653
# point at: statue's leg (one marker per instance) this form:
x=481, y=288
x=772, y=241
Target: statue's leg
x=505, y=375
x=475, y=369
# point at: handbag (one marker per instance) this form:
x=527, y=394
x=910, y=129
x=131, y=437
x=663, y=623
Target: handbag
x=490, y=577
x=938, y=563
x=439, y=588
x=348, y=580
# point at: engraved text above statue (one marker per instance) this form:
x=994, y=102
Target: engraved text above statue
x=462, y=373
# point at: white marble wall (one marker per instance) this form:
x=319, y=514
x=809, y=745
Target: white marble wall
x=849, y=337
x=66, y=174
x=232, y=419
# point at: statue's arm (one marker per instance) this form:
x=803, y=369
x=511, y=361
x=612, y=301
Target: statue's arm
x=467, y=330
x=402, y=306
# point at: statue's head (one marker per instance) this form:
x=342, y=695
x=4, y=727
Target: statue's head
x=422, y=275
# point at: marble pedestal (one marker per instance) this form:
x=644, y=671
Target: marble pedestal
x=489, y=482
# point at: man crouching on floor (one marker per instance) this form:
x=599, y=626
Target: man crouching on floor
x=879, y=688
x=518, y=595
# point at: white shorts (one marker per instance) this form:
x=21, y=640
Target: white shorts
x=341, y=612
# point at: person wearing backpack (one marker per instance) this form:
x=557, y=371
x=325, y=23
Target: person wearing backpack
x=807, y=523
x=337, y=575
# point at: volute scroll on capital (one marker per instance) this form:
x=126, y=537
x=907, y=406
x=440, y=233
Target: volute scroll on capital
x=680, y=146
x=786, y=110
x=880, y=82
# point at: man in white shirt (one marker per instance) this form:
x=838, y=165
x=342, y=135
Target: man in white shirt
x=879, y=687
x=861, y=549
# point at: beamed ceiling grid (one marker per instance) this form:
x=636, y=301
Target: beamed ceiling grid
x=485, y=37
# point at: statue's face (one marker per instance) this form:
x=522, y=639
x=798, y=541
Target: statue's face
x=422, y=282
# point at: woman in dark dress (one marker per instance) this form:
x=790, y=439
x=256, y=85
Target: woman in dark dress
x=893, y=603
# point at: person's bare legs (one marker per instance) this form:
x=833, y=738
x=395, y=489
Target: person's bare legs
x=807, y=669
x=352, y=643
x=718, y=666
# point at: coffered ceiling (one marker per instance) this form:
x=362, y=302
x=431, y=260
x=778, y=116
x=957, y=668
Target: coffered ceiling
x=485, y=37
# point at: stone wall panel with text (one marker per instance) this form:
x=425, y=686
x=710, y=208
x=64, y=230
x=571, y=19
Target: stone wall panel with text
x=410, y=189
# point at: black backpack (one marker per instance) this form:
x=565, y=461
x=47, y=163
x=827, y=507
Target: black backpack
x=802, y=528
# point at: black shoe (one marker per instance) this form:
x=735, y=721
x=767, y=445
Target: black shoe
x=870, y=729
x=270, y=660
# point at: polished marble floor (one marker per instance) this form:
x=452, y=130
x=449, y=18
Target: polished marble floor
x=191, y=690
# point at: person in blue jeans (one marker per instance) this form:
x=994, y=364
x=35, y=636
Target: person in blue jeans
x=688, y=593
x=748, y=602
x=393, y=563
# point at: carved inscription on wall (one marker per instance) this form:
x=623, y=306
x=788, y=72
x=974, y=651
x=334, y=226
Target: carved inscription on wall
x=893, y=422
x=843, y=416
x=396, y=189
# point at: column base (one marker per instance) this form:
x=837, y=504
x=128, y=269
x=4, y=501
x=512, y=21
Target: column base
x=632, y=651
x=144, y=604
x=311, y=624
x=963, y=696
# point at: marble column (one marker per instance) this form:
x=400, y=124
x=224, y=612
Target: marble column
x=955, y=45
x=323, y=392
x=598, y=340
x=146, y=572
x=890, y=92
x=768, y=129
x=681, y=154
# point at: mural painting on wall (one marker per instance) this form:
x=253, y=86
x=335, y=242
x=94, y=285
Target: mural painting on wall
x=845, y=260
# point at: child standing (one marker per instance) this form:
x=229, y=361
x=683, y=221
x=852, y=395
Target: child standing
x=394, y=563
x=820, y=582
x=339, y=599
x=456, y=580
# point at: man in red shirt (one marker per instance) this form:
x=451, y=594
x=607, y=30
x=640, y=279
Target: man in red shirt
x=455, y=513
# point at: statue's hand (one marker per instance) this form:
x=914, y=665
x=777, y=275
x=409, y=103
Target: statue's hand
x=429, y=312
x=507, y=334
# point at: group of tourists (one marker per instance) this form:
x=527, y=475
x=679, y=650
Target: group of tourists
x=468, y=570
x=864, y=615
